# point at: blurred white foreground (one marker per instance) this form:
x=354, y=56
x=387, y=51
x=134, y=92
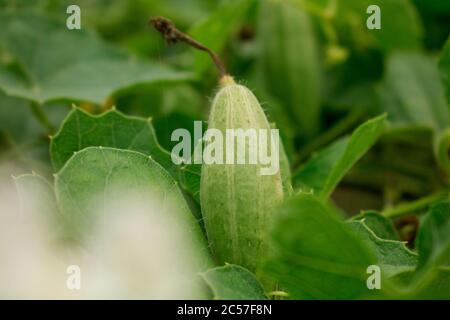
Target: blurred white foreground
x=133, y=252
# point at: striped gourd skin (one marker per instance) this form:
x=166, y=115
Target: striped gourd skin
x=236, y=200
x=290, y=62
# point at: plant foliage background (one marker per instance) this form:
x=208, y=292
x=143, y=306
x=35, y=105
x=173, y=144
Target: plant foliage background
x=363, y=114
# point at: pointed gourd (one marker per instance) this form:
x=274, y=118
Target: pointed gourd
x=237, y=200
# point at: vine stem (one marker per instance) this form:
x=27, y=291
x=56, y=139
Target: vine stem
x=410, y=207
x=40, y=115
x=172, y=35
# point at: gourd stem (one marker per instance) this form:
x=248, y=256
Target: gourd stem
x=172, y=35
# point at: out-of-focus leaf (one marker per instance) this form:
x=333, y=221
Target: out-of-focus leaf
x=290, y=62
x=397, y=17
x=36, y=196
x=431, y=277
x=439, y=6
x=444, y=67
x=38, y=205
x=412, y=94
x=317, y=256
x=233, y=282
x=275, y=111
x=17, y=120
x=23, y=139
x=7, y=4
x=162, y=100
x=316, y=171
x=361, y=96
x=58, y=63
x=433, y=239
x=214, y=31
x=380, y=225
x=324, y=171
x=438, y=288
x=393, y=256
x=95, y=176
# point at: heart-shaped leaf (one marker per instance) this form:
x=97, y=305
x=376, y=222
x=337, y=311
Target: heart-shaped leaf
x=96, y=177
x=110, y=129
x=113, y=129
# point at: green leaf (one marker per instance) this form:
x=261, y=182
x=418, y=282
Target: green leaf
x=379, y=224
x=316, y=171
x=57, y=63
x=430, y=279
x=114, y=129
x=233, y=282
x=315, y=255
x=397, y=17
x=214, y=31
x=290, y=62
x=434, y=6
x=438, y=288
x=324, y=171
x=98, y=175
x=412, y=92
x=393, y=256
x=109, y=129
x=360, y=142
x=433, y=238
x=444, y=68
x=413, y=95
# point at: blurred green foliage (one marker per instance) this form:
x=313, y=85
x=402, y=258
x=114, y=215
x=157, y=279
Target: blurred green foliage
x=319, y=73
x=315, y=66
x=317, y=69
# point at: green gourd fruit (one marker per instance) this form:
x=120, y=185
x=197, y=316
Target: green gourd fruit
x=237, y=198
x=237, y=201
